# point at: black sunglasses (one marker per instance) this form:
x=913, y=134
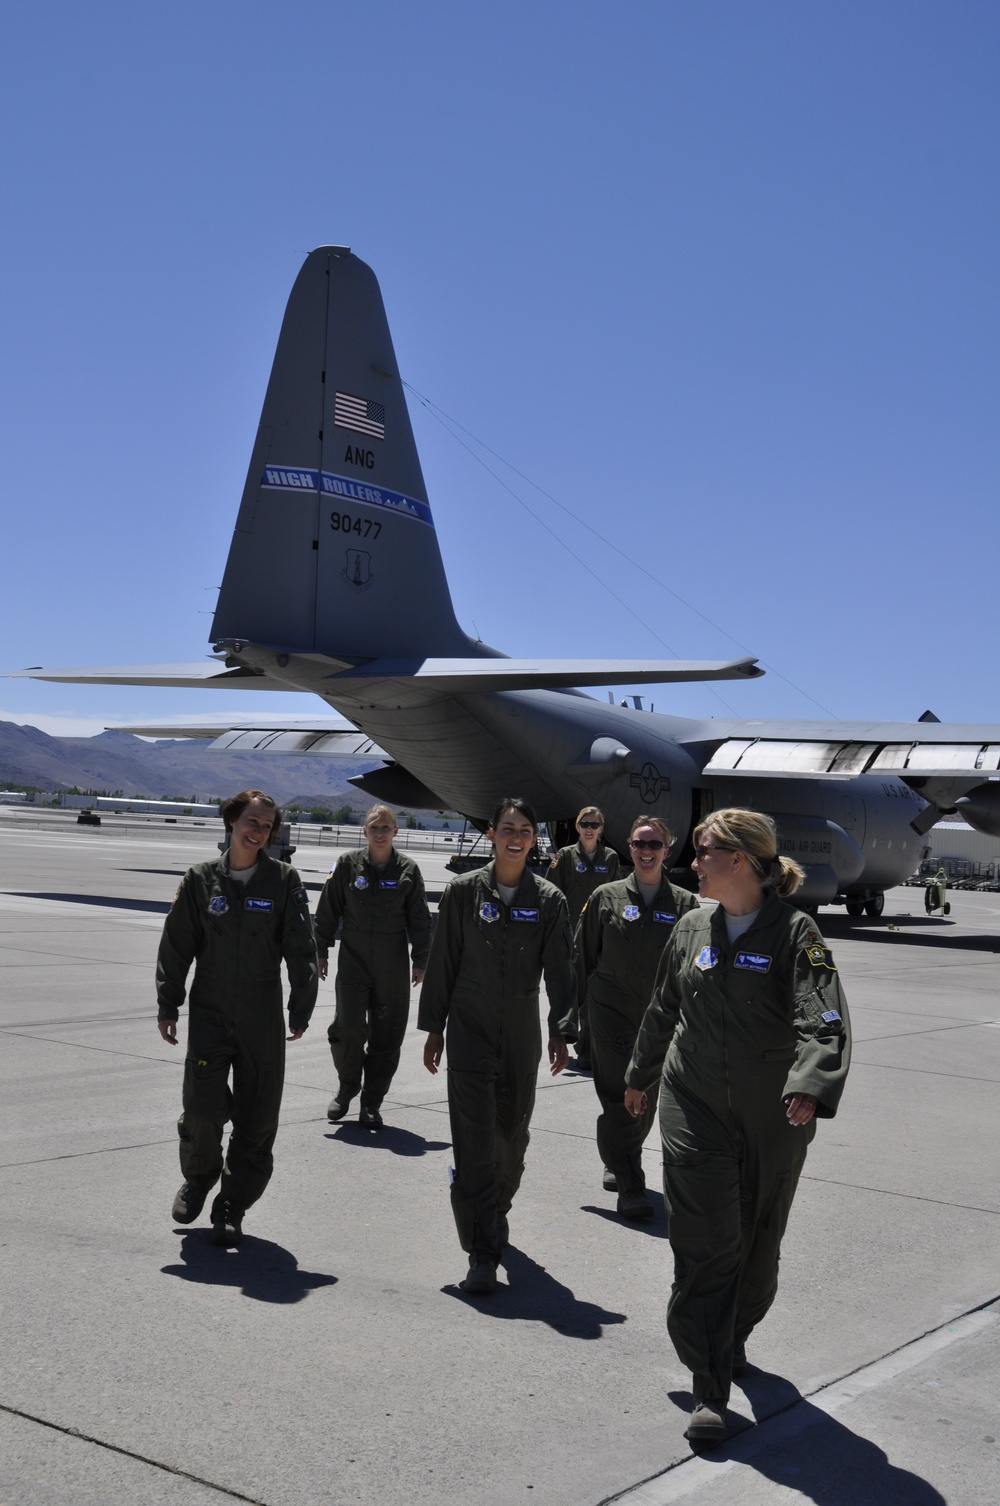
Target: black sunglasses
x=653, y=843
x=589, y=825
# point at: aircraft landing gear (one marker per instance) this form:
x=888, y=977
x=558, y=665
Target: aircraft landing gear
x=875, y=905
x=855, y=906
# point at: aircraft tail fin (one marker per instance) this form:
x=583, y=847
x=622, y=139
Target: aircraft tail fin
x=334, y=549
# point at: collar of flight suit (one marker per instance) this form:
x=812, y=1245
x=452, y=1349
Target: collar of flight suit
x=768, y=913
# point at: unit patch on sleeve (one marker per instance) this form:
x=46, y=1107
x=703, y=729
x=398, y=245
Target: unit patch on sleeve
x=261, y=905
x=300, y=897
x=630, y=912
x=524, y=914
x=706, y=958
x=820, y=956
x=754, y=962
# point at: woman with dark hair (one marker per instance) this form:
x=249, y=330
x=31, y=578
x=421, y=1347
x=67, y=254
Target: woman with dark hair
x=500, y=929
x=578, y=870
x=619, y=942
x=750, y=1028
x=235, y=917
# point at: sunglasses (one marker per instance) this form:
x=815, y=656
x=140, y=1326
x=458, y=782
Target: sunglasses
x=653, y=844
x=702, y=852
x=589, y=825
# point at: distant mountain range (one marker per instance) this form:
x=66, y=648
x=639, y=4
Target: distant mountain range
x=171, y=769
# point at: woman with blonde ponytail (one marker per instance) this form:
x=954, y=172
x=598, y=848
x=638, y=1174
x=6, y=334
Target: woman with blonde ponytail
x=750, y=1029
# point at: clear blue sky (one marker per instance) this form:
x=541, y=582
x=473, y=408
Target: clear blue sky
x=720, y=277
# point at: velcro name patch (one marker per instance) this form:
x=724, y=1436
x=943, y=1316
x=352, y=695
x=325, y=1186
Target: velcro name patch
x=754, y=962
x=261, y=905
x=388, y=883
x=664, y=917
x=524, y=914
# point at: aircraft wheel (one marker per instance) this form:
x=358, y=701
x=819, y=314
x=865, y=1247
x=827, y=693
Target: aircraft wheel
x=875, y=905
x=855, y=907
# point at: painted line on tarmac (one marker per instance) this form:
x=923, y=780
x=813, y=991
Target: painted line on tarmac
x=695, y=1473
x=128, y=1453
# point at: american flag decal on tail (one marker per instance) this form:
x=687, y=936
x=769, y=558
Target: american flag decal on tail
x=357, y=413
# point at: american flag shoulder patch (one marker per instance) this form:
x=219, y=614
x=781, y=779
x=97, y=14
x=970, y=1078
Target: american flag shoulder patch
x=357, y=413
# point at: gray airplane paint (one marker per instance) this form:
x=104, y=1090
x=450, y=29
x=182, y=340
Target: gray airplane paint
x=335, y=585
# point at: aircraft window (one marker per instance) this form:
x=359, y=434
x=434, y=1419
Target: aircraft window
x=892, y=756
x=852, y=758
x=945, y=756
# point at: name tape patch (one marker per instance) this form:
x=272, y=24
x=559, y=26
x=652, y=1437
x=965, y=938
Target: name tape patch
x=524, y=914
x=264, y=905
x=663, y=917
x=388, y=883
x=754, y=962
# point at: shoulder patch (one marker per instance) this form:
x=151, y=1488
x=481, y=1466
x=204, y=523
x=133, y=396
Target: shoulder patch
x=489, y=912
x=218, y=904
x=706, y=958
x=820, y=956
x=630, y=912
x=300, y=897
x=361, y=882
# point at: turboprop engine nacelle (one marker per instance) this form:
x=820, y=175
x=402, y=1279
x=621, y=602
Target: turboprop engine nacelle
x=831, y=858
x=981, y=808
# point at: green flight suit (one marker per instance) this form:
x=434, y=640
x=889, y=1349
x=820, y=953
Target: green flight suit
x=381, y=911
x=481, y=986
x=578, y=875
x=236, y=935
x=619, y=943
x=736, y=1029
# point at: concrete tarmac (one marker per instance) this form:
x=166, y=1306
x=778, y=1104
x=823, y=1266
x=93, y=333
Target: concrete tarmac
x=332, y=1358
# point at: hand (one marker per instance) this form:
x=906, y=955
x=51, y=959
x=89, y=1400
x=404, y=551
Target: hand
x=168, y=1030
x=635, y=1101
x=558, y=1054
x=433, y=1052
x=296, y=1035
x=324, y=968
x=418, y=976
x=800, y=1108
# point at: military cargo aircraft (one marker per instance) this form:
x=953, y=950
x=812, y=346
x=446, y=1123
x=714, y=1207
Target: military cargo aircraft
x=335, y=585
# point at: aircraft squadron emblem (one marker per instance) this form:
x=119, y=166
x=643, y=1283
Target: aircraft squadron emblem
x=358, y=570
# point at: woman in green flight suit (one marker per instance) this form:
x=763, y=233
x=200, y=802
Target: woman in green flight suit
x=750, y=1028
x=619, y=942
x=578, y=870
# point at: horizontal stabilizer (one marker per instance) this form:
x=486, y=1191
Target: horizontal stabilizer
x=206, y=674
x=468, y=676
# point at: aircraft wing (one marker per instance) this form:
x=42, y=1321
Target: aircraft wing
x=917, y=752
x=324, y=735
